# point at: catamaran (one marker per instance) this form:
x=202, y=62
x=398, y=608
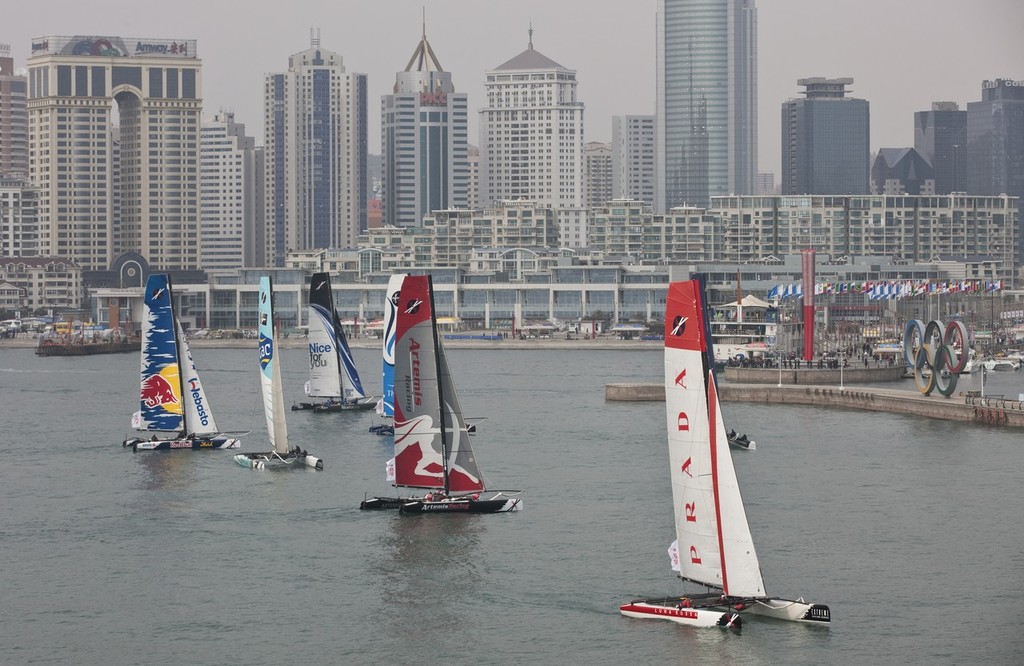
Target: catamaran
x=432, y=449
x=172, y=397
x=713, y=546
x=334, y=381
x=272, y=391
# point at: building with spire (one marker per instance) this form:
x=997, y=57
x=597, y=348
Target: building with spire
x=424, y=140
x=706, y=100
x=315, y=154
x=531, y=138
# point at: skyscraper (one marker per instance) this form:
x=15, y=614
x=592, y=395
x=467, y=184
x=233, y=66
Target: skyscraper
x=227, y=185
x=825, y=140
x=13, y=119
x=531, y=134
x=315, y=154
x=424, y=138
x=75, y=84
x=940, y=135
x=633, y=162
x=995, y=139
x=706, y=100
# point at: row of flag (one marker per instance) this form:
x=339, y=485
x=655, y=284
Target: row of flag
x=888, y=289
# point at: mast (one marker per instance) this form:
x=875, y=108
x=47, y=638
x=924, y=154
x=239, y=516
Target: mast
x=177, y=352
x=440, y=387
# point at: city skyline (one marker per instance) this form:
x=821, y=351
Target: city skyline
x=612, y=50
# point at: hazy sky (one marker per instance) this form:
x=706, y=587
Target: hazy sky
x=902, y=54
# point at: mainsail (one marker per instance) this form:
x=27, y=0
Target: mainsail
x=270, y=371
x=161, y=394
x=714, y=542
x=172, y=397
x=324, y=369
x=387, y=406
x=432, y=448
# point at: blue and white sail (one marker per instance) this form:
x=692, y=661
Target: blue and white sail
x=270, y=371
x=387, y=404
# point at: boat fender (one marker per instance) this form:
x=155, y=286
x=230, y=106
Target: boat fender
x=740, y=606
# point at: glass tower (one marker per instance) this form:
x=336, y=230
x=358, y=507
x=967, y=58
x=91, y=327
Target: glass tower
x=706, y=100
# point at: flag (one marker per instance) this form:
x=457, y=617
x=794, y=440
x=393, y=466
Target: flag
x=673, y=555
x=137, y=420
x=389, y=470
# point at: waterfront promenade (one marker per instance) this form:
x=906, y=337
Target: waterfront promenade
x=966, y=406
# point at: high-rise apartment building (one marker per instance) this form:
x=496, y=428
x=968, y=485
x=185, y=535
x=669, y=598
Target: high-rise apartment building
x=940, y=135
x=633, y=162
x=13, y=118
x=531, y=134
x=825, y=140
x=597, y=174
x=424, y=138
x=19, y=219
x=706, y=100
x=995, y=139
x=227, y=187
x=76, y=85
x=315, y=154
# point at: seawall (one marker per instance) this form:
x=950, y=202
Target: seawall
x=967, y=407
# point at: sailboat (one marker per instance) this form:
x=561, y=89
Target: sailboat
x=333, y=379
x=272, y=391
x=172, y=397
x=386, y=405
x=713, y=546
x=432, y=449
x=736, y=440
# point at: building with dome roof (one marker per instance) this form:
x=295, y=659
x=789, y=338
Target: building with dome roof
x=531, y=139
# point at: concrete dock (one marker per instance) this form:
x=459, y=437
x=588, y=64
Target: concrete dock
x=967, y=406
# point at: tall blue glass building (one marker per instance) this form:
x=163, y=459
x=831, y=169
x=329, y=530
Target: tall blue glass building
x=706, y=100
x=315, y=149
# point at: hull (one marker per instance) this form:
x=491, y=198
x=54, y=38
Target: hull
x=217, y=442
x=336, y=405
x=672, y=611
x=378, y=503
x=274, y=460
x=791, y=611
x=505, y=505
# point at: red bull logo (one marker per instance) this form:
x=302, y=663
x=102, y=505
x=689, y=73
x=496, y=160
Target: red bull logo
x=157, y=391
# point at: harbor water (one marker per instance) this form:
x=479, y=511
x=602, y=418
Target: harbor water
x=909, y=529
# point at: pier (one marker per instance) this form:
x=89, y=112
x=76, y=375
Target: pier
x=968, y=406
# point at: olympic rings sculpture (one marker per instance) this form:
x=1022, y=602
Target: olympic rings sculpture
x=934, y=348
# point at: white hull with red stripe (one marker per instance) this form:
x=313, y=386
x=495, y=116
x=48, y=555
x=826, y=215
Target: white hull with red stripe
x=692, y=617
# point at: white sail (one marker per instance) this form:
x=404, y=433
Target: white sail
x=324, y=371
x=270, y=371
x=198, y=414
x=714, y=543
